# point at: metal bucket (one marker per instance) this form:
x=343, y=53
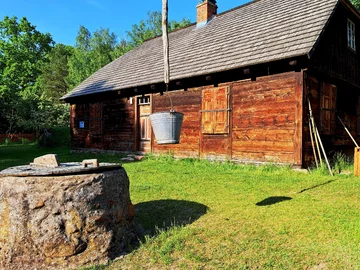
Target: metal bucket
x=167, y=126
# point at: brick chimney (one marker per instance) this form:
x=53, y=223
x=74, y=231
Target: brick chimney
x=205, y=11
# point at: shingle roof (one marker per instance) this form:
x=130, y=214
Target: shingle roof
x=259, y=32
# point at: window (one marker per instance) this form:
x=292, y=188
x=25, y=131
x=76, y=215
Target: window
x=215, y=110
x=351, y=35
x=328, y=108
x=144, y=100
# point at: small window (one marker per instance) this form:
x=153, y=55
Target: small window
x=144, y=100
x=215, y=110
x=351, y=35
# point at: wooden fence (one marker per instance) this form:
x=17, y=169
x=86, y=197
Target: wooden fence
x=17, y=137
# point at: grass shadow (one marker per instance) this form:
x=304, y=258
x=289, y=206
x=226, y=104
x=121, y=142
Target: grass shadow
x=164, y=214
x=273, y=200
x=154, y=217
x=316, y=186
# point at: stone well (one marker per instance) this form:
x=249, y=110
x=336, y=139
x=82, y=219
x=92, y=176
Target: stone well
x=63, y=217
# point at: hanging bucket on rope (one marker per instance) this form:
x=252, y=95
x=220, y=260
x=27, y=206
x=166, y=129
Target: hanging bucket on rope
x=167, y=126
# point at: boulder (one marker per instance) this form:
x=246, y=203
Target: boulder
x=64, y=221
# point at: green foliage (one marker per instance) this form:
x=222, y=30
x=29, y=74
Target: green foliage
x=23, y=52
x=34, y=73
x=356, y=3
x=54, y=72
x=91, y=52
x=56, y=137
x=151, y=28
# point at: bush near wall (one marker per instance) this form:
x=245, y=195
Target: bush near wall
x=55, y=137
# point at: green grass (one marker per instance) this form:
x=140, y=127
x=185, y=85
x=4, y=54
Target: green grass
x=202, y=215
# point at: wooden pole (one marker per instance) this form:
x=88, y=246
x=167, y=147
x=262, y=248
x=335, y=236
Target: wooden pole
x=348, y=132
x=165, y=37
x=316, y=132
x=313, y=130
x=312, y=144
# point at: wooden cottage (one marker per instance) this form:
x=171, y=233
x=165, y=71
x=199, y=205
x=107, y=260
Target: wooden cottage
x=242, y=79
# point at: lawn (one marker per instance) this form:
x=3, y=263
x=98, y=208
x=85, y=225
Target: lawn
x=201, y=215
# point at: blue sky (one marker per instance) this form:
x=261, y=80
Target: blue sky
x=62, y=18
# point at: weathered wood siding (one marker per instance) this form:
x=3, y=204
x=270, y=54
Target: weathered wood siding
x=108, y=125
x=332, y=55
x=189, y=103
x=267, y=119
x=119, y=125
x=265, y=122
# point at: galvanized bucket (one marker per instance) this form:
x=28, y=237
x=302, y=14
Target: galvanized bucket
x=167, y=126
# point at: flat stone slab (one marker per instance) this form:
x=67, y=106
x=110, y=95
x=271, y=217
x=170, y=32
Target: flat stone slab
x=63, y=169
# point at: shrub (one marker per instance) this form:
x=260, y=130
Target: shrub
x=341, y=162
x=54, y=137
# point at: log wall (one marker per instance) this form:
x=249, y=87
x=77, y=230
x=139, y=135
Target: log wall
x=189, y=103
x=264, y=117
x=108, y=125
x=265, y=122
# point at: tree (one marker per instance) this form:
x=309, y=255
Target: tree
x=53, y=78
x=152, y=28
x=23, y=52
x=91, y=52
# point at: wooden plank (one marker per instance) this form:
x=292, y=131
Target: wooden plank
x=258, y=134
x=272, y=157
x=263, y=146
x=299, y=123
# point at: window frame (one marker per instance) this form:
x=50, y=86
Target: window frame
x=145, y=100
x=351, y=37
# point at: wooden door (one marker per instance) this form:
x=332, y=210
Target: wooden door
x=144, y=128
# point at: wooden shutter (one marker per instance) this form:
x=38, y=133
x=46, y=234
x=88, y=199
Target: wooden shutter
x=328, y=108
x=215, y=110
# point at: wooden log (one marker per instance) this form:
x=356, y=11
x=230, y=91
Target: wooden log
x=357, y=161
x=312, y=144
